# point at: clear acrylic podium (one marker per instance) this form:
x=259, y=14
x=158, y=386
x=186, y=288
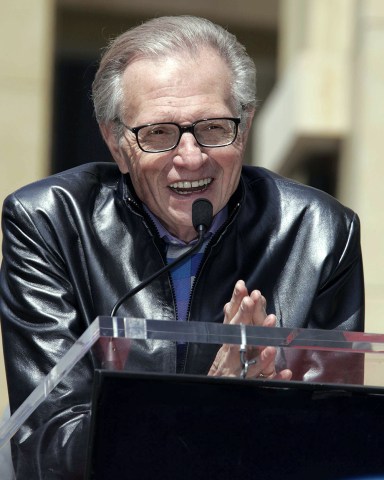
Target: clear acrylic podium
x=328, y=422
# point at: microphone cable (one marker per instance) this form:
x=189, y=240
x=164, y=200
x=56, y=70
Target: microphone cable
x=202, y=213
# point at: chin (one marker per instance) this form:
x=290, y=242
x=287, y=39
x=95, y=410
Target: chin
x=182, y=219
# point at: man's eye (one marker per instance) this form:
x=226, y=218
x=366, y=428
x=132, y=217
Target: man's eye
x=158, y=131
x=214, y=126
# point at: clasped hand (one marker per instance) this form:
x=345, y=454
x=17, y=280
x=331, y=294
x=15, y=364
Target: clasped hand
x=247, y=309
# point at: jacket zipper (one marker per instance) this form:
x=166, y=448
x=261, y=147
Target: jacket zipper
x=213, y=240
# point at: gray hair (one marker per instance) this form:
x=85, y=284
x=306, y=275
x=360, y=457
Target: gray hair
x=169, y=36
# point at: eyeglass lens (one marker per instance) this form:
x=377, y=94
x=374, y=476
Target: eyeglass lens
x=209, y=133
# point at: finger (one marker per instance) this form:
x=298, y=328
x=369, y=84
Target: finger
x=270, y=320
x=230, y=309
x=259, y=313
x=227, y=364
x=283, y=375
x=264, y=365
x=253, y=313
x=257, y=297
x=245, y=312
x=268, y=361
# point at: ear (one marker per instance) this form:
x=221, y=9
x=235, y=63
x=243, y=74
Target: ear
x=113, y=144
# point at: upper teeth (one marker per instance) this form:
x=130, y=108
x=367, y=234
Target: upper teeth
x=196, y=183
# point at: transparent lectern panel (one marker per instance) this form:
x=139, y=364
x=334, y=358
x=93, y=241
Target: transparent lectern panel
x=324, y=356
x=149, y=348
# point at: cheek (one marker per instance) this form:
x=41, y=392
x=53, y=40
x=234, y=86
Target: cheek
x=231, y=171
x=140, y=168
x=231, y=182
x=148, y=174
x=131, y=156
x=232, y=168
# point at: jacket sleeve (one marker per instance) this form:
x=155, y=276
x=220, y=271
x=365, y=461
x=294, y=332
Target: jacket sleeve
x=338, y=306
x=339, y=303
x=40, y=321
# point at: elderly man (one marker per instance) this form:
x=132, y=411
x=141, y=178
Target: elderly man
x=174, y=99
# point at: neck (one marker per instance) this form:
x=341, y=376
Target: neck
x=186, y=234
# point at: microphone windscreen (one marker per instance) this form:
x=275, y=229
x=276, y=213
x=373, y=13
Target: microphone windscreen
x=202, y=213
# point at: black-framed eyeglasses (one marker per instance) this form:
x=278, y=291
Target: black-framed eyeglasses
x=164, y=136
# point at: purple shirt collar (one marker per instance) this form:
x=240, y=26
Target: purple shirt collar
x=218, y=220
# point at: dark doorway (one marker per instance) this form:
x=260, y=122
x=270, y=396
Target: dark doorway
x=76, y=136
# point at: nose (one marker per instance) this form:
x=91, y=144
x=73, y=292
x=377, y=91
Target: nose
x=188, y=153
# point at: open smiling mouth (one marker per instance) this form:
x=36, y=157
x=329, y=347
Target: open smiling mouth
x=185, y=188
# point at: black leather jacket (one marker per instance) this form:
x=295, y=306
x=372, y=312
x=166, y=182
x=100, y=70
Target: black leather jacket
x=75, y=242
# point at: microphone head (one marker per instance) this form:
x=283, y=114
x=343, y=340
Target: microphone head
x=202, y=214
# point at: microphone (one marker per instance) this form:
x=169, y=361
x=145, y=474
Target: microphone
x=202, y=214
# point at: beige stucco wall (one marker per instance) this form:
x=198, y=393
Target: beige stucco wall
x=26, y=48
x=330, y=94
x=362, y=168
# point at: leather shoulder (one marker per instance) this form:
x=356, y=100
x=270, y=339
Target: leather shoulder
x=77, y=183
x=269, y=188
